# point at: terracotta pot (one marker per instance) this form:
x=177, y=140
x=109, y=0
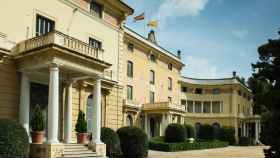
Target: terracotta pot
x=82, y=138
x=37, y=137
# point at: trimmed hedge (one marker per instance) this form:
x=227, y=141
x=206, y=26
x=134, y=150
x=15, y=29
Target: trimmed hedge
x=206, y=132
x=112, y=141
x=244, y=141
x=13, y=140
x=157, y=143
x=190, y=131
x=227, y=134
x=134, y=142
x=175, y=133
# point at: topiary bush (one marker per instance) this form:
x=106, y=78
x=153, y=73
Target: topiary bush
x=175, y=133
x=37, y=121
x=13, y=140
x=81, y=125
x=134, y=142
x=227, y=134
x=190, y=131
x=112, y=141
x=206, y=132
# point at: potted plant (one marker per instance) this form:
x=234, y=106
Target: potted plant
x=81, y=128
x=37, y=126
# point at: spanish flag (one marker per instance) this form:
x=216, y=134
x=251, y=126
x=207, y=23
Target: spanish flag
x=153, y=23
x=139, y=17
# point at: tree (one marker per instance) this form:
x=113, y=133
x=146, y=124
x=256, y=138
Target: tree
x=267, y=69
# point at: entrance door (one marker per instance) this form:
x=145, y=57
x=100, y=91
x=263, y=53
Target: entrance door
x=39, y=97
x=152, y=127
x=89, y=114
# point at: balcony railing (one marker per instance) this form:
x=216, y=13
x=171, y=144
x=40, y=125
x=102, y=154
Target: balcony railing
x=164, y=105
x=62, y=40
x=132, y=103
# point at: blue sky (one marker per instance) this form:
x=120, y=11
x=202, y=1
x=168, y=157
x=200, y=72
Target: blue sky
x=216, y=37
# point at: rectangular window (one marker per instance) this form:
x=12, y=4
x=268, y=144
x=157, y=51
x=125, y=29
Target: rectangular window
x=184, y=89
x=216, y=107
x=130, y=47
x=96, y=9
x=216, y=91
x=153, y=58
x=198, y=91
x=170, y=99
x=95, y=43
x=152, y=97
x=44, y=25
x=190, y=106
x=170, y=66
x=198, y=107
x=169, y=83
x=152, y=77
x=129, y=92
x=129, y=69
x=206, y=107
x=183, y=102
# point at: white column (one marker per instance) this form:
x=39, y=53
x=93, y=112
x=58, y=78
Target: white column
x=68, y=115
x=97, y=112
x=53, y=107
x=24, y=106
x=256, y=131
x=146, y=123
x=162, y=125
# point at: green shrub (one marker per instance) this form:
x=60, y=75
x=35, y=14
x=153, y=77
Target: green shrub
x=244, y=141
x=190, y=131
x=13, y=140
x=175, y=133
x=37, y=121
x=134, y=142
x=81, y=125
x=206, y=132
x=157, y=143
x=112, y=141
x=227, y=134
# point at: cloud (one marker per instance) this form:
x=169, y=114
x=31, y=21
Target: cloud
x=240, y=33
x=200, y=68
x=179, y=8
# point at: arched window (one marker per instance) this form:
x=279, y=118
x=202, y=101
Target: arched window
x=197, y=128
x=129, y=120
x=152, y=77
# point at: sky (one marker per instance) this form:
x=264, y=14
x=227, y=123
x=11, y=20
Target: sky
x=216, y=37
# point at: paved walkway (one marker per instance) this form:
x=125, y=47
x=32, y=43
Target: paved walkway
x=228, y=152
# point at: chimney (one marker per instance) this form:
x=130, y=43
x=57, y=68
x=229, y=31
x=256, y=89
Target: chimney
x=179, y=54
x=234, y=74
x=152, y=36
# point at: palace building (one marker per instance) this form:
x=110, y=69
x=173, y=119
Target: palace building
x=71, y=55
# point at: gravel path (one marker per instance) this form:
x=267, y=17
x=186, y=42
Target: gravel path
x=228, y=152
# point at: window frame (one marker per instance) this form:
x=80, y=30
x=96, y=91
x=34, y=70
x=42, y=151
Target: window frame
x=152, y=77
x=198, y=91
x=170, y=84
x=153, y=58
x=46, y=21
x=216, y=91
x=170, y=66
x=93, y=10
x=152, y=97
x=184, y=89
x=130, y=47
x=94, y=43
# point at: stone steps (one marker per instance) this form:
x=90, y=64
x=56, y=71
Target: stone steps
x=78, y=151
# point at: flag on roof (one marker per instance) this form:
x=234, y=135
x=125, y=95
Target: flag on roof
x=153, y=23
x=139, y=17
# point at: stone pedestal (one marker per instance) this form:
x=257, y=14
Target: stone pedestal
x=99, y=148
x=46, y=150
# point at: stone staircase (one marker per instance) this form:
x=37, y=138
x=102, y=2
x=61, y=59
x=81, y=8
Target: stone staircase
x=78, y=151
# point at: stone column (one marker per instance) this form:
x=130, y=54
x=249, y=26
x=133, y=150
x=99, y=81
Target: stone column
x=68, y=115
x=162, y=125
x=146, y=123
x=244, y=129
x=53, y=106
x=97, y=112
x=256, y=131
x=24, y=107
x=96, y=144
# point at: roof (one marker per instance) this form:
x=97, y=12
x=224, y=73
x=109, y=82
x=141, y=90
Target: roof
x=214, y=82
x=127, y=6
x=153, y=45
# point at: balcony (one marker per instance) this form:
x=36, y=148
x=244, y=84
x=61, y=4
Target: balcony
x=60, y=40
x=163, y=106
x=131, y=105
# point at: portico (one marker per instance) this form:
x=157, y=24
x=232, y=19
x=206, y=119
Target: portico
x=60, y=66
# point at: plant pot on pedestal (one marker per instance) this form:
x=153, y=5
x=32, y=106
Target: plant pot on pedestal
x=81, y=129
